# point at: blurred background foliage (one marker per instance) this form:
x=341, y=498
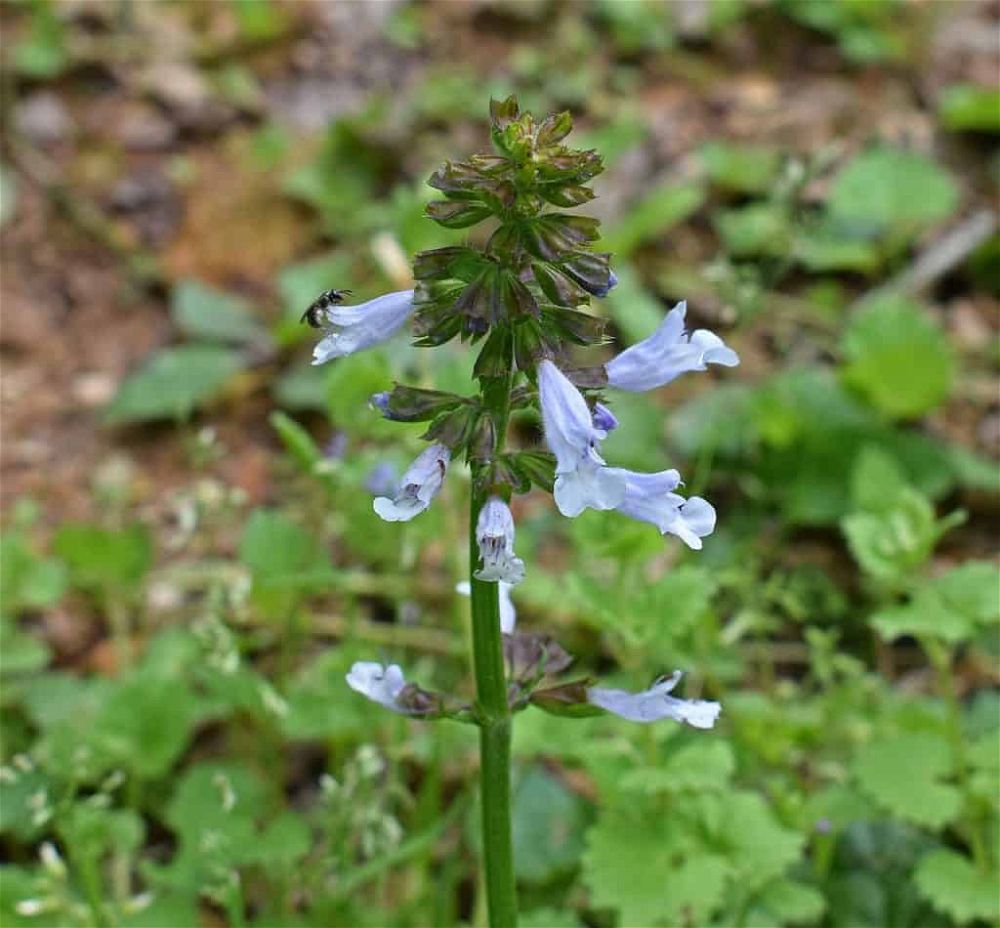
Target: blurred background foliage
x=190, y=562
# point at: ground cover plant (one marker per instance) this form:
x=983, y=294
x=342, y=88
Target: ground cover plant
x=191, y=563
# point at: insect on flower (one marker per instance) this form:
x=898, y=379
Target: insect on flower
x=328, y=298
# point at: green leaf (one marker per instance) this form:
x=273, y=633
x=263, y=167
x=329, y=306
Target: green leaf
x=877, y=481
x=889, y=190
x=828, y=249
x=905, y=773
x=644, y=864
x=20, y=652
x=105, y=559
x=925, y=617
x=743, y=168
x=303, y=386
x=972, y=589
x=42, y=53
x=756, y=846
x=203, y=312
x=174, y=382
x=955, y=886
x=968, y=107
x=548, y=823
x=146, y=723
x=27, y=580
x=755, y=230
x=950, y=607
x=701, y=765
x=284, y=840
x=286, y=561
x=655, y=214
x=785, y=902
x=893, y=544
x=297, y=441
x=898, y=358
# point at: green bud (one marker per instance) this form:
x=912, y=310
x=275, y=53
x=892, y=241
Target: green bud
x=568, y=699
x=457, y=214
x=415, y=404
x=495, y=356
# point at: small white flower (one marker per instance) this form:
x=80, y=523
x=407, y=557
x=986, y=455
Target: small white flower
x=418, y=486
x=380, y=683
x=353, y=328
x=508, y=612
x=495, y=537
x=582, y=479
x=669, y=352
x=650, y=498
x=654, y=704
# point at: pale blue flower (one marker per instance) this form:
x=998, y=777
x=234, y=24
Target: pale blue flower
x=495, y=537
x=353, y=328
x=654, y=704
x=417, y=487
x=669, y=352
x=508, y=612
x=582, y=479
x=651, y=498
x=380, y=683
x=604, y=418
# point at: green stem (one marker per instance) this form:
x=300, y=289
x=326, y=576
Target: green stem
x=494, y=739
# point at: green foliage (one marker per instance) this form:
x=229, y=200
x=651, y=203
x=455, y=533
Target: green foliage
x=916, y=793
x=203, y=312
x=109, y=561
x=548, y=823
x=741, y=168
x=174, y=382
x=687, y=860
x=889, y=191
x=968, y=107
x=955, y=886
x=659, y=210
x=897, y=358
x=42, y=52
x=284, y=560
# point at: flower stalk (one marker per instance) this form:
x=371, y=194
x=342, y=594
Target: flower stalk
x=493, y=714
x=523, y=299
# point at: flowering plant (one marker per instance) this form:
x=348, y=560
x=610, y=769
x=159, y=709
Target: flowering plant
x=521, y=299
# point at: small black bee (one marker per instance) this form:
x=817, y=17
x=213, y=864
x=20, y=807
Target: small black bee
x=314, y=314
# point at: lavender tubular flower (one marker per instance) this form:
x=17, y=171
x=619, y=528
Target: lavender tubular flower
x=654, y=704
x=650, y=498
x=354, y=328
x=495, y=537
x=582, y=479
x=666, y=354
x=418, y=486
